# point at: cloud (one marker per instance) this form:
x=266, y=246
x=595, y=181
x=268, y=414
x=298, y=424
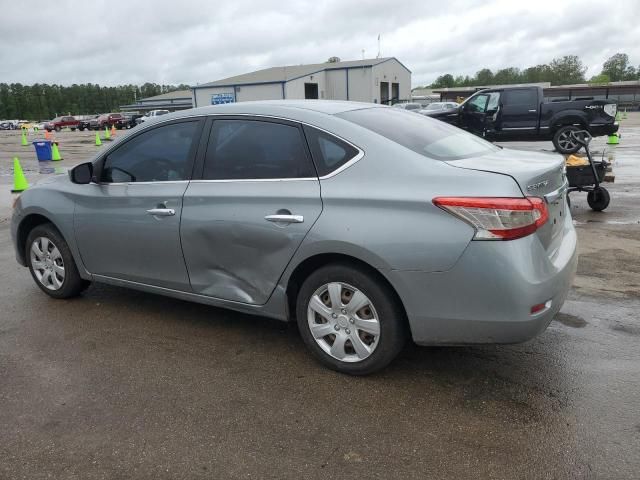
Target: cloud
x=195, y=41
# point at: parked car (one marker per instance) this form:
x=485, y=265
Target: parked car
x=150, y=115
x=108, y=120
x=520, y=113
x=408, y=106
x=293, y=210
x=7, y=125
x=85, y=123
x=128, y=120
x=59, y=123
x=438, y=107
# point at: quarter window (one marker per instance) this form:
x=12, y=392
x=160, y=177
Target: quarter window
x=254, y=149
x=329, y=153
x=161, y=154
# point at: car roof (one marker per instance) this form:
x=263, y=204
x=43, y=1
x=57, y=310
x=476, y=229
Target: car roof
x=294, y=109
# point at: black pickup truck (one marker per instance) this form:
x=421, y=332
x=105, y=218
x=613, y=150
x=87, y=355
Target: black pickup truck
x=520, y=113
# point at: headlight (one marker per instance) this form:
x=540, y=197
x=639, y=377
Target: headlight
x=611, y=109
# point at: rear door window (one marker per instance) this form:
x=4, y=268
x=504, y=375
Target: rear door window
x=254, y=150
x=520, y=97
x=329, y=153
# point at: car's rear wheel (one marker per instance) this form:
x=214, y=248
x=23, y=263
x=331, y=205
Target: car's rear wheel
x=349, y=320
x=51, y=263
x=564, y=141
x=58, y=129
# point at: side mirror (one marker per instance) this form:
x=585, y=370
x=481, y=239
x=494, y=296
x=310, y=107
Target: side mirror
x=82, y=174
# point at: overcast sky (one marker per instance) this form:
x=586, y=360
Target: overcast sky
x=196, y=41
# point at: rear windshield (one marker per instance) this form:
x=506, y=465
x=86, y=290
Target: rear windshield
x=424, y=135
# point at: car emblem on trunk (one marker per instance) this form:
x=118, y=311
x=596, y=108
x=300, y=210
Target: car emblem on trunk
x=537, y=186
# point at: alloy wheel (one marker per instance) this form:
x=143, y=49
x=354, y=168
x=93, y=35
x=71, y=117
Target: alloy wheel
x=47, y=263
x=566, y=140
x=343, y=322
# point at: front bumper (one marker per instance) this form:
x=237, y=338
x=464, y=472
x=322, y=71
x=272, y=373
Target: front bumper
x=604, y=129
x=487, y=296
x=16, y=218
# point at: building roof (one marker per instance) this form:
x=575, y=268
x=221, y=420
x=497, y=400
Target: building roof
x=547, y=86
x=178, y=100
x=291, y=72
x=475, y=88
x=178, y=94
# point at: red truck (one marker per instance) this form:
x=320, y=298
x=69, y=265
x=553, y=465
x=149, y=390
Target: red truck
x=109, y=120
x=59, y=123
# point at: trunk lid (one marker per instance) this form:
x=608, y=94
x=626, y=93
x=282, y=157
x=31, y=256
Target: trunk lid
x=538, y=174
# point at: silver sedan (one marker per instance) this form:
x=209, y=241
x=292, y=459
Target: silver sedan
x=364, y=224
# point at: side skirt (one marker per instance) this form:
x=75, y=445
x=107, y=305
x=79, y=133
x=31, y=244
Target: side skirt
x=269, y=309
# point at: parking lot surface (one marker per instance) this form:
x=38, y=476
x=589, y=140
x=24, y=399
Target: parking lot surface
x=124, y=384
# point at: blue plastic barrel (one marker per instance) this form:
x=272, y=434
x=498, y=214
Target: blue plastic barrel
x=43, y=150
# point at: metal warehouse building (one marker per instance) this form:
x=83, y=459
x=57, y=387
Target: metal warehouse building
x=177, y=100
x=379, y=80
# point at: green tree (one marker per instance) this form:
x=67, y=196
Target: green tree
x=444, y=81
x=484, y=77
x=507, y=76
x=567, y=70
x=537, y=74
x=601, y=79
x=617, y=68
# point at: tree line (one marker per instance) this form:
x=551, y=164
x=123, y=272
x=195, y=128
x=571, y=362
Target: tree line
x=42, y=101
x=565, y=70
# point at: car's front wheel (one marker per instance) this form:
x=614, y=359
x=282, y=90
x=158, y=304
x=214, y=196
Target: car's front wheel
x=51, y=263
x=350, y=320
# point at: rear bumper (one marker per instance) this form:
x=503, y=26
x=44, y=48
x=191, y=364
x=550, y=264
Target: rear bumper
x=604, y=129
x=488, y=295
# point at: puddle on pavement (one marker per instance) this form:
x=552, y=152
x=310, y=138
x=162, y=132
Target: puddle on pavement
x=570, y=320
x=50, y=168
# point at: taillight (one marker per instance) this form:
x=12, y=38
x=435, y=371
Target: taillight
x=498, y=218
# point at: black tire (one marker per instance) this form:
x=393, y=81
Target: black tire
x=72, y=284
x=58, y=129
x=598, y=199
x=391, y=318
x=561, y=141
x=73, y=129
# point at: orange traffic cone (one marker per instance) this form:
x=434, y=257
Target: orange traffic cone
x=47, y=135
x=113, y=130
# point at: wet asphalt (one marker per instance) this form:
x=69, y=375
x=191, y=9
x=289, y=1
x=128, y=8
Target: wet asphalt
x=122, y=384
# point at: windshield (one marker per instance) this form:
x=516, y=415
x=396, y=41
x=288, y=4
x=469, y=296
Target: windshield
x=424, y=135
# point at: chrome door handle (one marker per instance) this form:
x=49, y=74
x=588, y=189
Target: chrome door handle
x=533, y=111
x=161, y=212
x=284, y=218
